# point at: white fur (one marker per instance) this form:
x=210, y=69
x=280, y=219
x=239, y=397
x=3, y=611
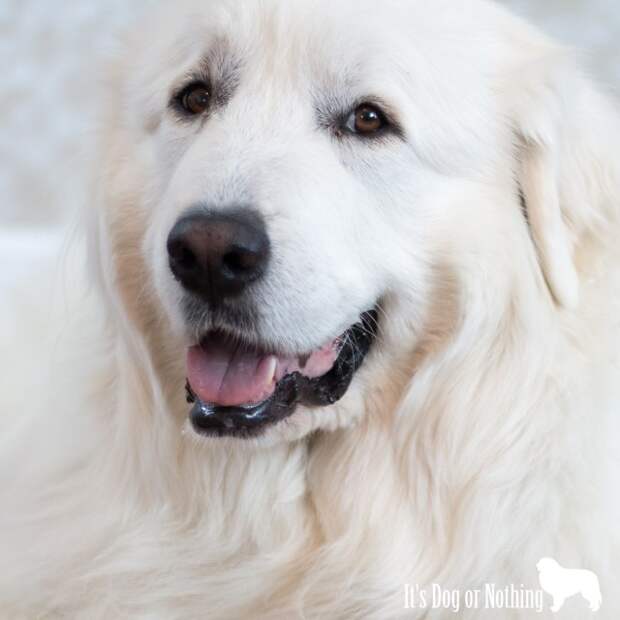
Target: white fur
x=481, y=433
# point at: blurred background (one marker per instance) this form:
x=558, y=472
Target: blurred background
x=48, y=91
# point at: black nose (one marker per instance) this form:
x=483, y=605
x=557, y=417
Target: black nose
x=218, y=255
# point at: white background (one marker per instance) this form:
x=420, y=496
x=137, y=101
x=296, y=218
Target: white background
x=48, y=90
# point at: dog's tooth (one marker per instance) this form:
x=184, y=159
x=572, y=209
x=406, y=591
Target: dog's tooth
x=272, y=368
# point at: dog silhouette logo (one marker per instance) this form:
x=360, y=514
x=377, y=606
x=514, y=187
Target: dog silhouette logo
x=562, y=583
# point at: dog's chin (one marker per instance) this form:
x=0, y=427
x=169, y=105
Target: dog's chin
x=246, y=391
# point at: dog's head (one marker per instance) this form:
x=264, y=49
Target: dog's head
x=547, y=565
x=302, y=198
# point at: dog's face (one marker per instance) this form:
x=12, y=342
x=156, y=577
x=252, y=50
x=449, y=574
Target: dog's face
x=303, y=191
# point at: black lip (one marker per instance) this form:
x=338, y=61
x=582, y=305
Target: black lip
x=293, y=390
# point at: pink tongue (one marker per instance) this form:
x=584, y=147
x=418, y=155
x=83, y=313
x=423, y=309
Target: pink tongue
x=229, y=375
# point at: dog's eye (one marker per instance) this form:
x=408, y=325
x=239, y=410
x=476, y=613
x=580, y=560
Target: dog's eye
x=195, y=99
x=366, y=120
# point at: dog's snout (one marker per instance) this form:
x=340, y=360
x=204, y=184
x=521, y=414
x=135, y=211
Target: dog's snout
x=217, y=255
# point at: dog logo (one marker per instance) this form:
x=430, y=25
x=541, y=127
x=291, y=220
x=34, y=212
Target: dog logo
x=562, y=583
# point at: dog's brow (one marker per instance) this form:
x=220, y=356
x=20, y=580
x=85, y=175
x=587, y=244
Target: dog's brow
x=225, y=71
x=221, y=68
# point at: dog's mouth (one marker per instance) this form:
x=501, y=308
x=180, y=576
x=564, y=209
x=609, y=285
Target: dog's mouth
x=240, y=391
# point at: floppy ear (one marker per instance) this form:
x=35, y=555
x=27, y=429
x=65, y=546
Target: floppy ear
x=564, y=158
x=539, y=185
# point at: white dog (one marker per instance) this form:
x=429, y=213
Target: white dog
x=562, y=583
x=378, y=244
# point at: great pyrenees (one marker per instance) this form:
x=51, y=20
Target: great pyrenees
x=562, y=583
x=353, y=325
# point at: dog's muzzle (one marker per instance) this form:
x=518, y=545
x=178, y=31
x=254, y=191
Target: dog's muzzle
x=240, y=389
x=289, y=386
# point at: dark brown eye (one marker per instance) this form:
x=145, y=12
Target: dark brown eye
x=195, y=99
x=366, y=120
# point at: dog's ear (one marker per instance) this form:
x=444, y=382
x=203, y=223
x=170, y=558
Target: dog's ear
x=562, y=146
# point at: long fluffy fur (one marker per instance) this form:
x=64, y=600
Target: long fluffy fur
x=484, y=444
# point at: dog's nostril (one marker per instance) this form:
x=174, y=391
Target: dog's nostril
x=218, y=255
x=241, y=261
x=181, y=255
